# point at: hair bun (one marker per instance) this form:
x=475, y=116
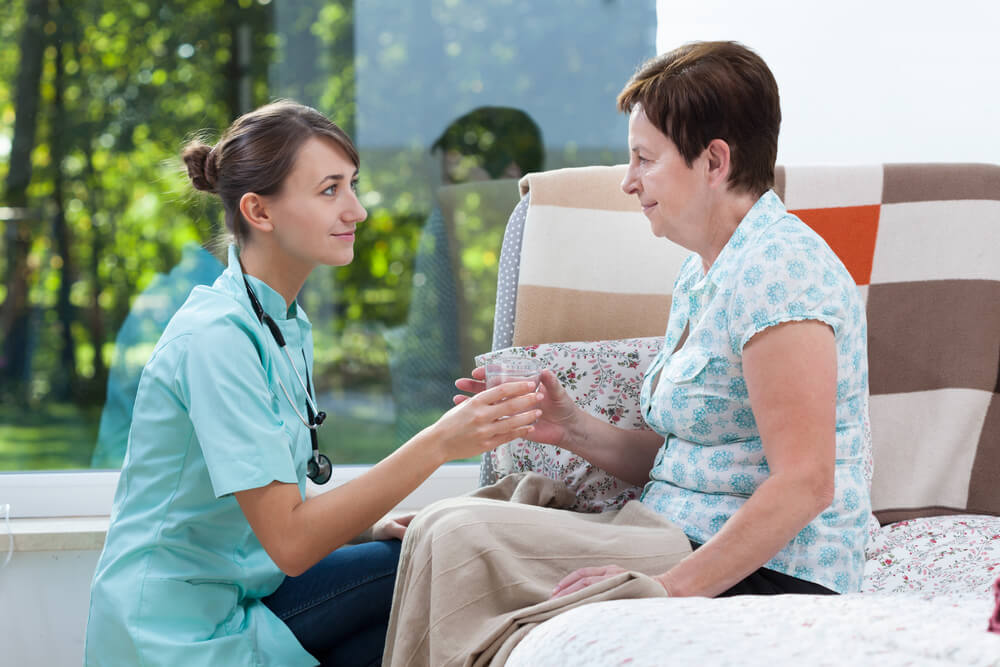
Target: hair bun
x=202, y=165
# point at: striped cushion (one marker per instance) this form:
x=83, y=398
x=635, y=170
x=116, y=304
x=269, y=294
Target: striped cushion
x=572, y=283
x=921, y=240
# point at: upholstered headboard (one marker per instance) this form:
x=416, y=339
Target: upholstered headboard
x=923, y=243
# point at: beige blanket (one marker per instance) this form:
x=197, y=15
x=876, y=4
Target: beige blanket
x=476, y=572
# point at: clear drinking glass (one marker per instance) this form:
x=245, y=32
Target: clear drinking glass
x=512, y=369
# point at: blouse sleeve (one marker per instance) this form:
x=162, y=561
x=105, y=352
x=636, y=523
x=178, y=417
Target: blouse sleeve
x=234, y=413
x=787, y=279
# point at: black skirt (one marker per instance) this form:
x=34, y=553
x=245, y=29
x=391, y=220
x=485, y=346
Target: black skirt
x=769, y=582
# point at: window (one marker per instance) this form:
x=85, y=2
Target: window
x=102, y=238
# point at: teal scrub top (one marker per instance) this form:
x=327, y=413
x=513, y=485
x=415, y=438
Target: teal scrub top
x=182, y=574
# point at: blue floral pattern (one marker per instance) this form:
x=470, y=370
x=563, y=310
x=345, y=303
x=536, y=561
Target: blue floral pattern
x=774, y=269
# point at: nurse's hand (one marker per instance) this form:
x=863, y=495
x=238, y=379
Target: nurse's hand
x=560, y=414
x=391, y=527
x=484, y=421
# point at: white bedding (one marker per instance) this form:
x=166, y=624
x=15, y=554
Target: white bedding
x=926, y=600
x=862, y=629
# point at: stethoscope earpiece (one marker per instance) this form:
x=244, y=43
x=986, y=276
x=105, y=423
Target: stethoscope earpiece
x=319, y=469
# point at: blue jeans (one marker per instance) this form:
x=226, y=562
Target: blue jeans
x=339, y=608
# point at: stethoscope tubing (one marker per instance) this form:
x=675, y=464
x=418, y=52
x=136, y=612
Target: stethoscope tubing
x=319, y=465
x=309, y=400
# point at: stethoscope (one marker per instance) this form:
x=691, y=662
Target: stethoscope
x=319, y=469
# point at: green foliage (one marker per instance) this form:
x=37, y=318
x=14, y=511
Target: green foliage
x=60, y=436
x=11, y=23
x=125, y=83
x=137, y=80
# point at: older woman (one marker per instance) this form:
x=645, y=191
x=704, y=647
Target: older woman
x=758, y=400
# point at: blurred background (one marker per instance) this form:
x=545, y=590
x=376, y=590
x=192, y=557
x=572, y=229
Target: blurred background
x=450, y=101
x=102, y=238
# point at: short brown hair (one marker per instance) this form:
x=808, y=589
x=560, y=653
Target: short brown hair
x=256, y=153
x=713, y=90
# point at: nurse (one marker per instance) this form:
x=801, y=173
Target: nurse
x=214, y=556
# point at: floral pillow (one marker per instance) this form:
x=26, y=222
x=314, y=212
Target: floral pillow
x=605, y=379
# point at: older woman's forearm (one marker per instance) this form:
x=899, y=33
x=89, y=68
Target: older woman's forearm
x=770, y=519
x=626, y=454
x=791, y=378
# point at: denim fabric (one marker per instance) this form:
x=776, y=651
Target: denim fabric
x=339, y=608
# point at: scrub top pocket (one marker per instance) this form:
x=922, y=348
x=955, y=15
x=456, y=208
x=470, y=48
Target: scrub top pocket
x=193, y=612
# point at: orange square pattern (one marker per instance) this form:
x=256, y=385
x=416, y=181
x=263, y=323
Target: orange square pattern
x=850, y=231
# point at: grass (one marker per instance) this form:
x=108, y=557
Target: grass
x=347, y=439
x=52, y=436
x=351, y=440
x=61, y=436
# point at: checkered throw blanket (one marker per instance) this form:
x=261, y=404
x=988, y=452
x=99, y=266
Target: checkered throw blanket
x=923, y=244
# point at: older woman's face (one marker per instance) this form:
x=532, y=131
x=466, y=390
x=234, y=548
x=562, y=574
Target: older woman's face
x=673, y=196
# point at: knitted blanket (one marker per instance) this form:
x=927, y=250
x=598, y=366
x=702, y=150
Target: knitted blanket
x=922, y=242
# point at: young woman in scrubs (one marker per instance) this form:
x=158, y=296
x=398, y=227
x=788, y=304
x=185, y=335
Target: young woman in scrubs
x=214, y=556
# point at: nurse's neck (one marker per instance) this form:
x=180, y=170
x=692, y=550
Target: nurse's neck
x=284, y=274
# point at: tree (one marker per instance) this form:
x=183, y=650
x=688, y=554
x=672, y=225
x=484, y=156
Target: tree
x=14, y=312
x=63, y=387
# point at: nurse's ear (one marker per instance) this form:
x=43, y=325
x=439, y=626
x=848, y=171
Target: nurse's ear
x=255, y=212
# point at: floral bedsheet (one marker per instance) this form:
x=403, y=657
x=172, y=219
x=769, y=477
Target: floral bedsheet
x=942, y=555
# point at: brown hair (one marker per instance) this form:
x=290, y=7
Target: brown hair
x=256, y=153
x=713, y=90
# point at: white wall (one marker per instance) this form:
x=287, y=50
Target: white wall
x=44, y=596
x=865, y=81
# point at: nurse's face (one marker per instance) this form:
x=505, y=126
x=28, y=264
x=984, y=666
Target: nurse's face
x=317, y=209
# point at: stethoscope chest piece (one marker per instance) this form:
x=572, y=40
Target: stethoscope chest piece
x=319, y=469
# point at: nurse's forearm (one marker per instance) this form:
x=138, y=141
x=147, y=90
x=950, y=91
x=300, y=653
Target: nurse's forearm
x=297, y=534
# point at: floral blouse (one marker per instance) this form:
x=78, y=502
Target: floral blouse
x=773, y=269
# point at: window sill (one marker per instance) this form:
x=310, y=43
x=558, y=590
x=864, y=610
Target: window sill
x=77, y=533
x=47, y=529
x=90, y=494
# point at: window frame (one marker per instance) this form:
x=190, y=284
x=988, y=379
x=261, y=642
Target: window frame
x=61, y=494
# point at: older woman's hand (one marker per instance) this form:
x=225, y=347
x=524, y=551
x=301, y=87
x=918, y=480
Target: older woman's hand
x=559, y=412
x=391, y=527
x=584, y=577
